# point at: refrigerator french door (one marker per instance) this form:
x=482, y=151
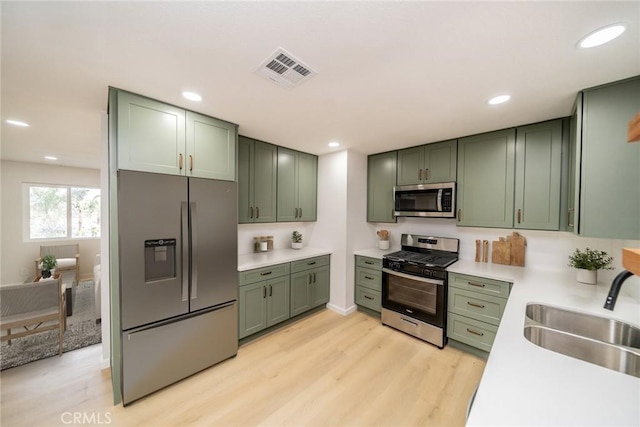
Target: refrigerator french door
x=178, y=277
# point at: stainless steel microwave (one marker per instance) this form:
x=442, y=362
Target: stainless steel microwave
x=425, y=200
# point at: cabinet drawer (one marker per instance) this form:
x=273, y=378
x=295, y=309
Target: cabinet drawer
x=369, y=278
x=476, y=305
x=473, y=332
x=309, y=263
x=368, y=298
x=252, y=276
x=367, y=262
x=483, y=285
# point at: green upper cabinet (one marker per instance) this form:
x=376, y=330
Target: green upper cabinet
x=210, y=148
x=537, y=179
x=381, y=178
x=257, y=181
x=151, y=135
x=609, y=166
x=157, y=137
x=297, y=185
x=486, y=179
x=428, y=163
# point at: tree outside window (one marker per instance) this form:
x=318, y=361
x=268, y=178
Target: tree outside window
x=57, y=212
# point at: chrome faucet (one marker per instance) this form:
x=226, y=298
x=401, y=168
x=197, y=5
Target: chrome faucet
x=615, y=289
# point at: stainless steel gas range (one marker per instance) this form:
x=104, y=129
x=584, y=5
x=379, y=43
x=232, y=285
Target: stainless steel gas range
x=414, y=286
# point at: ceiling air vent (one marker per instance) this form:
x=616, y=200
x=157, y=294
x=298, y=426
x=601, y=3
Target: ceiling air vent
x=285, y=69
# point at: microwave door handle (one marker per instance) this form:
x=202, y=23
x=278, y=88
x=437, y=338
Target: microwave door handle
x=440, y=200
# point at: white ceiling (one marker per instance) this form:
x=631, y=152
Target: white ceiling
x=390, y=74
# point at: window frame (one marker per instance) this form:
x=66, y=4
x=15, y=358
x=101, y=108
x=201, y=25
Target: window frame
x=26, y=212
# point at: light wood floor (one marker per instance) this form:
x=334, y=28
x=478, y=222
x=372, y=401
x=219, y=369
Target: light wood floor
x=324, y=370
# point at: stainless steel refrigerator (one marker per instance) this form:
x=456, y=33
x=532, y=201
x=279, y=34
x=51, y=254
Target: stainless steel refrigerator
x=178, y=277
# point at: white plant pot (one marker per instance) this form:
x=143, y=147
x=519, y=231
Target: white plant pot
x=296, y=245
x=383, y=244
x=590, y=277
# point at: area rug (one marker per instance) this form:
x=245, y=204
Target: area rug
x=82, y=331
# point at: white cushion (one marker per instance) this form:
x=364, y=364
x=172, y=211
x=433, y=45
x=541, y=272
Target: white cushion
x=65, y=262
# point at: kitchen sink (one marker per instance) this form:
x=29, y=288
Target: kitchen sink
x=605, y=342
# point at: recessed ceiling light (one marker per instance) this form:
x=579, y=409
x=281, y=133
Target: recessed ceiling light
x=18, y=123
x=334, y=144
x=602, y=36
x=50, y=157
x=192, y=96
x=499, y=99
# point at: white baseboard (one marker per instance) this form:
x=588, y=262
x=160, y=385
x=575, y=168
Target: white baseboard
x=105, y=364
x=340, y=310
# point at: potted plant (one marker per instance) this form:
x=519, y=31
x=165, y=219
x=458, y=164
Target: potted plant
x=48, y=263
x=588, y=262
x=296, y=240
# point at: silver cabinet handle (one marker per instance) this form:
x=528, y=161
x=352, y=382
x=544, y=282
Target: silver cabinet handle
x=194, y=250
x=569, y=212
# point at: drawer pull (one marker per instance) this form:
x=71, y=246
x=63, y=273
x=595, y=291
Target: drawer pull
x=368, y=277
x=479, y=285
x=472, y=304
x=311, y=263
x=368, y=297
x=266, y=273
x=368, y=262
x=471, y=331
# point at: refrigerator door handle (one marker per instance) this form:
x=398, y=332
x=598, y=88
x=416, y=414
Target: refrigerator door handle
x=184, y=218
x=193, y=216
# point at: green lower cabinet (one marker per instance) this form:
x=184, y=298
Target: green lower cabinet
x=309, y=289
x=270, y=295
x=368, y=283
x=263, y=304
x=474, y=309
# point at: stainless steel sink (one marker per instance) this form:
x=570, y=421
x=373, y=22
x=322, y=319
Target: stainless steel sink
x=605, y=342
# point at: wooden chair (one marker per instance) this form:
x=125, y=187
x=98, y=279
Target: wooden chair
x=67, y=257
x=35, y=307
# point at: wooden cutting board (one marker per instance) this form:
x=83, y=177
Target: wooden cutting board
x=631, y=260
x=518, y=243
x=501, y=251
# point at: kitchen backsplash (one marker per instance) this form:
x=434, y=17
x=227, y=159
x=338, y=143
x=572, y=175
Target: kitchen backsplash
x=281, y=232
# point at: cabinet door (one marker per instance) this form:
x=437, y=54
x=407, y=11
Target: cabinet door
x=300, y=292
x=411, y=166
x=287, y=185
x=307, y=186
x=381, y=178
x=277, y=300
x=211, y=148
x=320, y=286
x=486, y=179
x=252, y=309
x=245, y=178
x=609, y=195
x=151, y=135
x=573, y=196
x=440, y=162
x=264, y=181
x=538, y=167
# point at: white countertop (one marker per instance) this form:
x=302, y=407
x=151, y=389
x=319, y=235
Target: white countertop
x=265, y=259
x=524, y=384
x=375, y=252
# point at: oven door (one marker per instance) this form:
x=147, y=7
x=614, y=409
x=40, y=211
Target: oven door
x=418, y=297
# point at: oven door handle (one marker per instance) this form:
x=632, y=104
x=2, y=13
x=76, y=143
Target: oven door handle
x=412, y=277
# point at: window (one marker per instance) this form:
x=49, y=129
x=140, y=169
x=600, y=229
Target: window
x=61, y=212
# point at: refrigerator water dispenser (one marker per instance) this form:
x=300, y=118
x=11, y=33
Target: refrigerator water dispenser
x=159, y=259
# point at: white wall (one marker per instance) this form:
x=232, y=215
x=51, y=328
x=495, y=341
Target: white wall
x=17, y=255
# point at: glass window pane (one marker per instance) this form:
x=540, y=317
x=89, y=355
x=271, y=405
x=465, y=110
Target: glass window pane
x=48, y=212
x=85, y=212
